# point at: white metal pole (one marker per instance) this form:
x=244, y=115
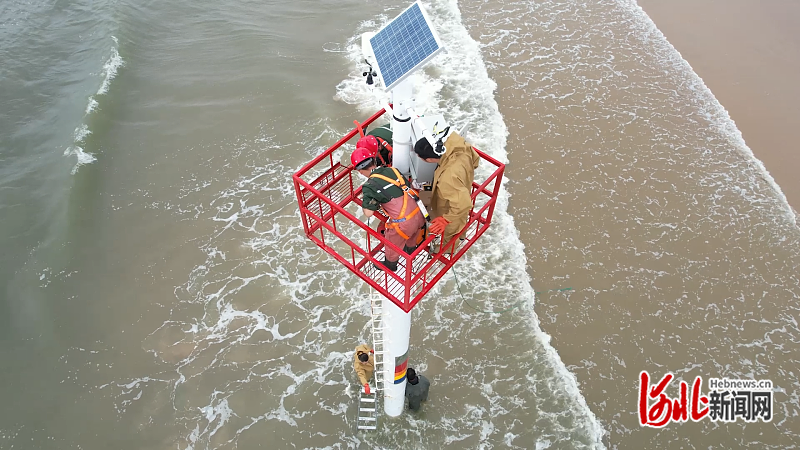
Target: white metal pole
x=397, y=323
x=397, y=333
x=401, y=129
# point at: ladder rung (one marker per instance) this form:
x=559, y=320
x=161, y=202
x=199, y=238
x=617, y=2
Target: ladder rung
x=367, y=400
x=368, y=419
x=367, y=427
x=367, y=410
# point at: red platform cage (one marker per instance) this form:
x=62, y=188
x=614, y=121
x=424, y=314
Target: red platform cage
x=329, y=196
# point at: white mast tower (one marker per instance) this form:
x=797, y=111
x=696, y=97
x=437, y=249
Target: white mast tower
x=399, y=49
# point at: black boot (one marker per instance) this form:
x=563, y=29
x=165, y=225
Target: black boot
x=383, y=265
x=410, y=250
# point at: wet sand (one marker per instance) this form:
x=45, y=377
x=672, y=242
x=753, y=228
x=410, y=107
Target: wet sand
x=748, y=54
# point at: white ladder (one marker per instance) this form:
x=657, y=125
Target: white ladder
x=377, y=338
x=368, y=411
x=368, y=404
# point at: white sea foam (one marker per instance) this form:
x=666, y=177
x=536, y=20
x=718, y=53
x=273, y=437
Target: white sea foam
x=91, y=106
x=81, y=132
x=715, y=112
x=82, y=157
x=76, y=149
x=110, y=68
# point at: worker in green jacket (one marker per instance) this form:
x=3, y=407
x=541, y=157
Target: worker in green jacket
x=388, y=190
x=379, y=142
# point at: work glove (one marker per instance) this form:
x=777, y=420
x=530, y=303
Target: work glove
x=437, y=225
x=366, y=388
x=372, y=351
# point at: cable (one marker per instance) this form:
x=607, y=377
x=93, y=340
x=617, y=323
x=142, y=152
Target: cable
x=516, y=305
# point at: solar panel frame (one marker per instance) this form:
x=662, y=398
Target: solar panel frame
x=404, y=45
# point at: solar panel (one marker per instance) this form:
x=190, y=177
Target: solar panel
x=404, y=45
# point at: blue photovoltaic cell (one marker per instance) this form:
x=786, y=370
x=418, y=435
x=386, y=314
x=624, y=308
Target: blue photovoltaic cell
x=403, y=44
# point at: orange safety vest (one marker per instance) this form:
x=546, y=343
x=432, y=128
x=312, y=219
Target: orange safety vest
x=400, y=182
x=385, y=145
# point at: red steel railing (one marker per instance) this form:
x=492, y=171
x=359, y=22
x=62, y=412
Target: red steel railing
x=330, y=200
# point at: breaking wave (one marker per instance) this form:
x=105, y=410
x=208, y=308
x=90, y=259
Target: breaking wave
x=109, y=72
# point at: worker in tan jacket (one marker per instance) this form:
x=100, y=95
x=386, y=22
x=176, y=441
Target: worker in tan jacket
x=451, y=199
x=364, y=363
